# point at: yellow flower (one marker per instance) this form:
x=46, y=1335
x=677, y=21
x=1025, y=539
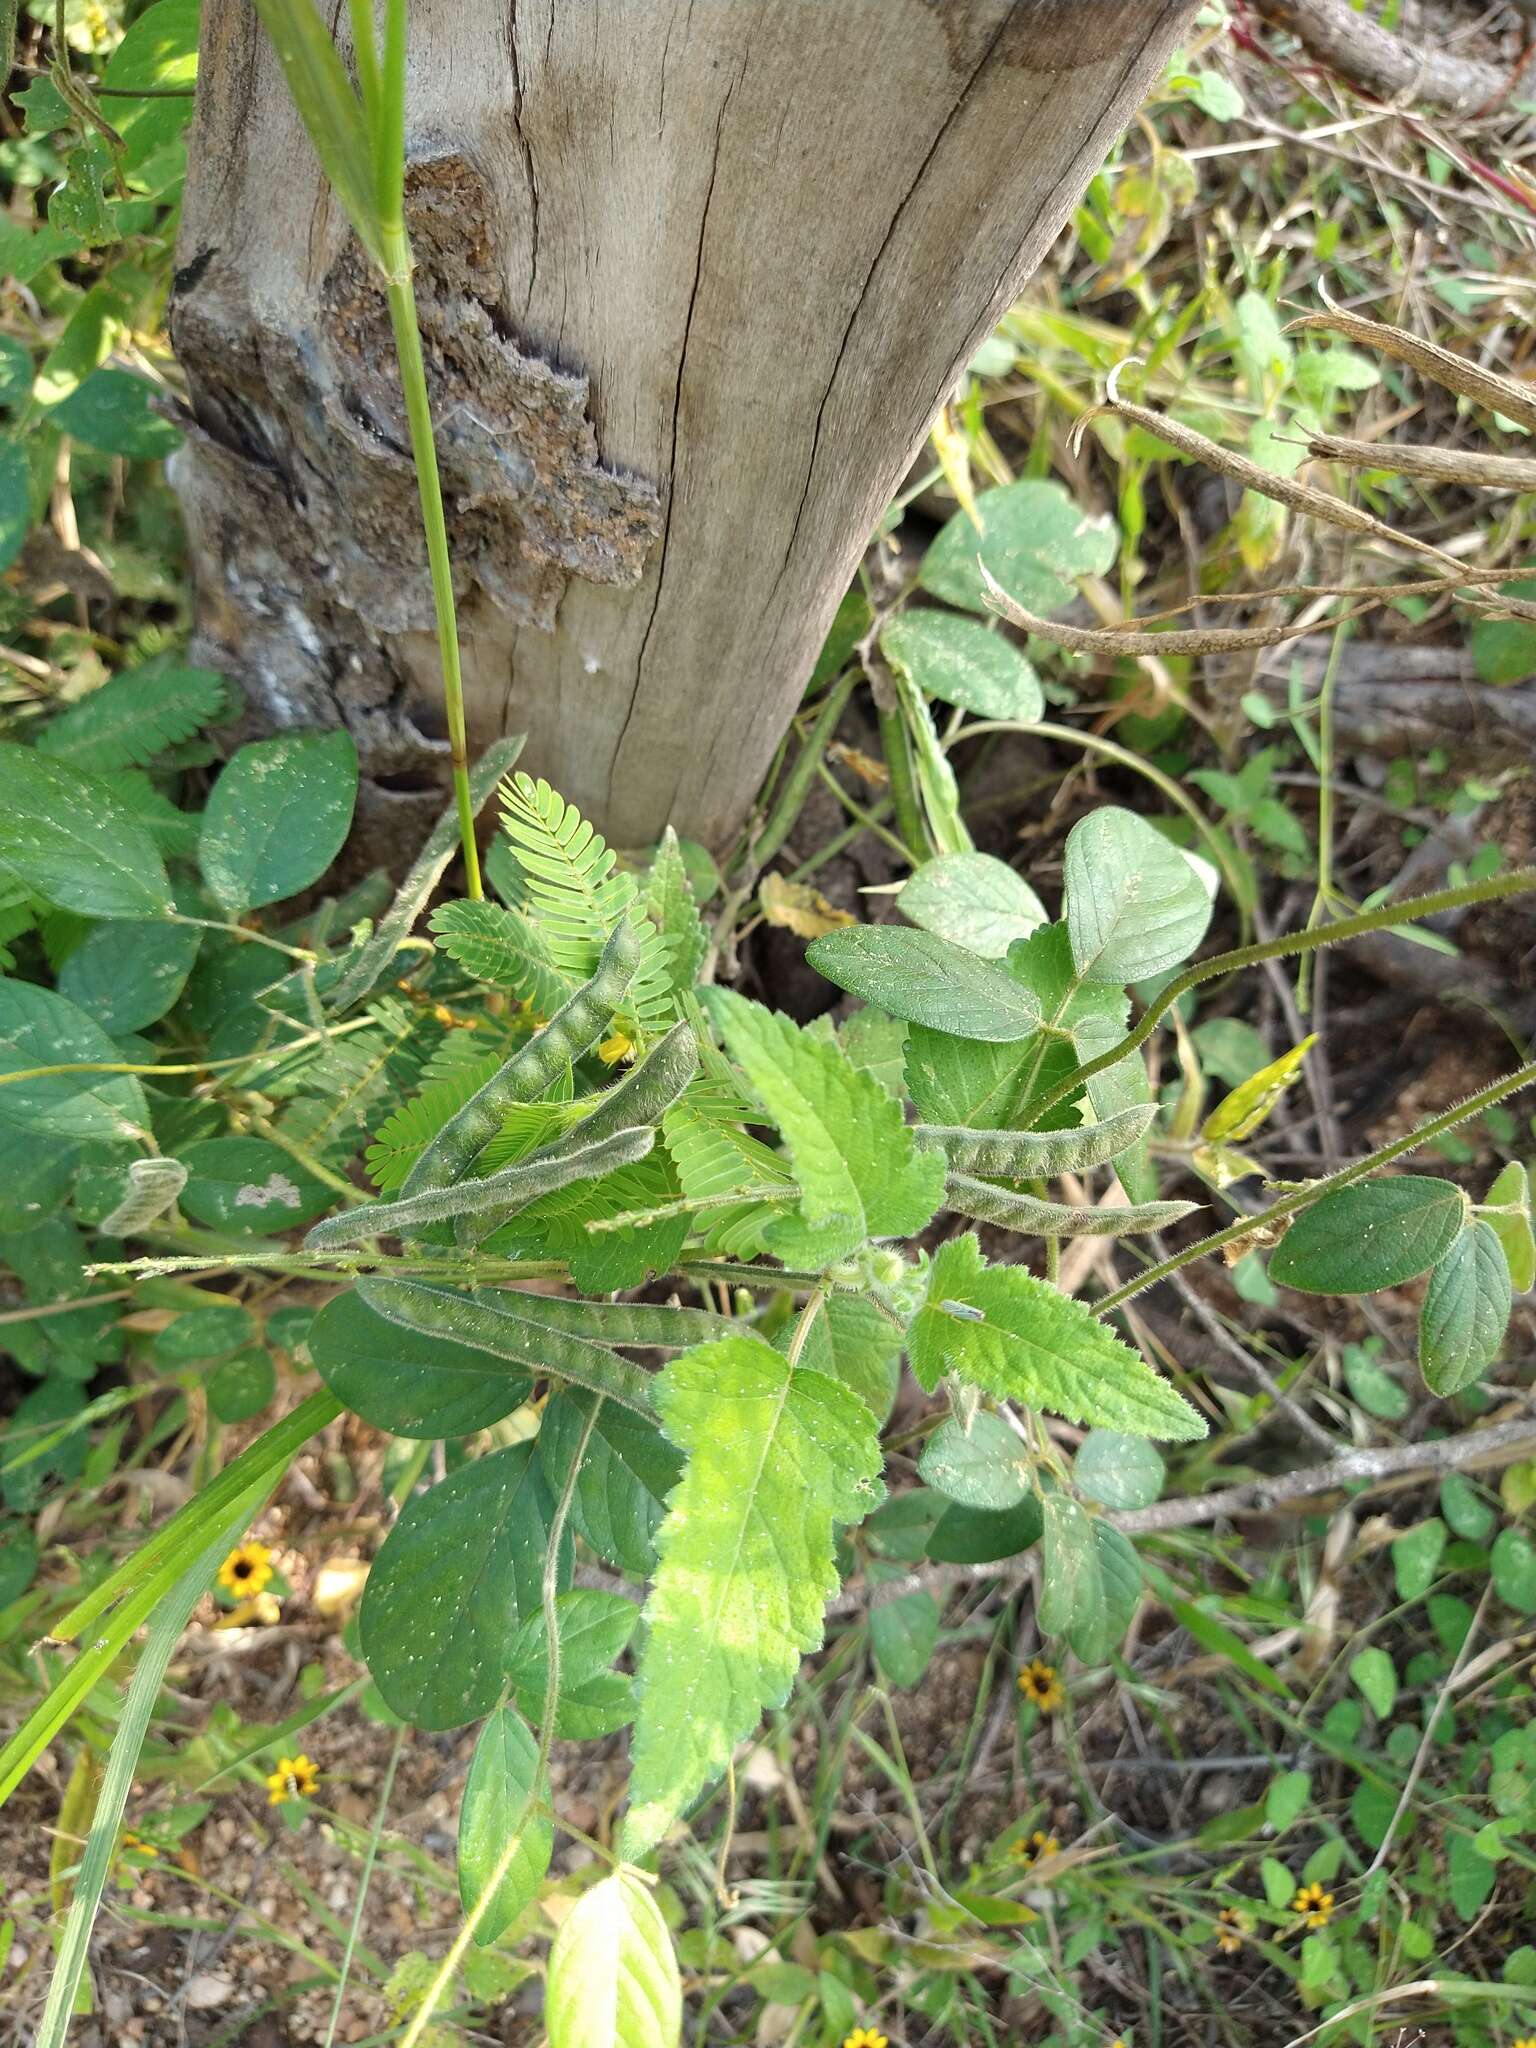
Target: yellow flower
x=1231, y=1926
x=246, y=1570
x=1036, y=1849
x=621, y=1047
x=295, y=1778
x=135, y=1845
x=865, y=2037
x=1526, y=2041
x=1038, y=1683
x=1314, y=1905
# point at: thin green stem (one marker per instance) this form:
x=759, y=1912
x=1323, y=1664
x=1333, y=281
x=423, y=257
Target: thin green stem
x=790, y=801
x=897, y=749
x=1517, y=882
x=413, y=383
x=1303, y=1198
x=355, y=1930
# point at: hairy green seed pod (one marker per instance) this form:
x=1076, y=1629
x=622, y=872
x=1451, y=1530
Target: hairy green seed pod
x=984, y=1203
x=1036, y=1155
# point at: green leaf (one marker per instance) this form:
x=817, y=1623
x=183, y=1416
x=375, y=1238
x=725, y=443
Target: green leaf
x=249, y=1184
x=66, y=837
x=1249, y=1106
x=973, y=901
x=1036, y=543
x=1513, y=1565
x=456, y=1577
x=39, y=1028
x=963, y=663
x=776, y=1456
x=78, y=206
x=613, y=1979
x=1378, y=1233
x=853, y=1342
x=1376, y=1675
x=1094, y=1640
x=971, y=1536
x=1465, y=1310
x=860, y=1174
x=983, y=1467
x=903, y=1634
x=1286, y=1801
x=1416, y=1558
x=1135, y=906
x=211, y=1332
x=158, y=51
x=15, y=501
x=134, y=716
x=504, y=1839
x=330, y=110
x=278, y=816
x=626, y=1475
x=1513, y=1189
x=241, y=1387
x=1018, y=1338
x=1472, y=1877
x=1118, y=1471
x=127, y=975
x=111, y=411
x=1071, y=1591
x=670, y=905
x=595, y=1628
x=926, y=980
x=406, y=1382
x=502, y=948
x=1465, y=1510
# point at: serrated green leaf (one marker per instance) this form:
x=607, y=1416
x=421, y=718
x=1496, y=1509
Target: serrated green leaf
x=1134, y=904
x=964, y=663
x=973, y=901
x=504, y=1840
x=1035, y=541
x=859, y=1172
x=1465, y=1310
x=1016, y=1337
x=65, y=836
x=926, y=980
x=851, y=1341
x=278, y=817
x=1376, y=1234
x=613, y=1979
x=670, y=905
x=776, y=1456
x=457, y=1575
x=406, y=1382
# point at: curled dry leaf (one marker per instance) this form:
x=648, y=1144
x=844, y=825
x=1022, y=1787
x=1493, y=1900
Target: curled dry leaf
x=800, y=908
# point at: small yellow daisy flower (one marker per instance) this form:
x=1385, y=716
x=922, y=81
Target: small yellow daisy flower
x=1314, y=1905
x=619, y=1047
x=1036, y=1849
x=1038, y=1683
x=295, y=1778
x=1231, y=1926
x=865, y=2037
x=246, y=1570
x=1526, y=2041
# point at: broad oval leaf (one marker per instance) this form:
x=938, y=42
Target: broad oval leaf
x=973, y=1536
x=903, y=1634
x=1117, y=1470
x=926, y=980
x=594, y=1699
x=277, y=817
x=626, y=1475
x=1070, y=1591
x=985, y=1466
x=964, y=663
x=1135, y=906
x=613, y=1979
x=66, y=837
x=504, y=1839
x=1465, y=1312
x=1512, y=1192
x=1035, y=541
x=1016, y=1337
x=406, y=1381
x=973, y=901
x=39, y=1028
x=776, y=1455
x=1095, y=1636
x=459, y=1573
x=249, y=1184
x=127, y=975
x=1378, y=1233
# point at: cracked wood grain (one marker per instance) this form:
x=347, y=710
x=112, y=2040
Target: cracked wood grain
x=694, y=280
